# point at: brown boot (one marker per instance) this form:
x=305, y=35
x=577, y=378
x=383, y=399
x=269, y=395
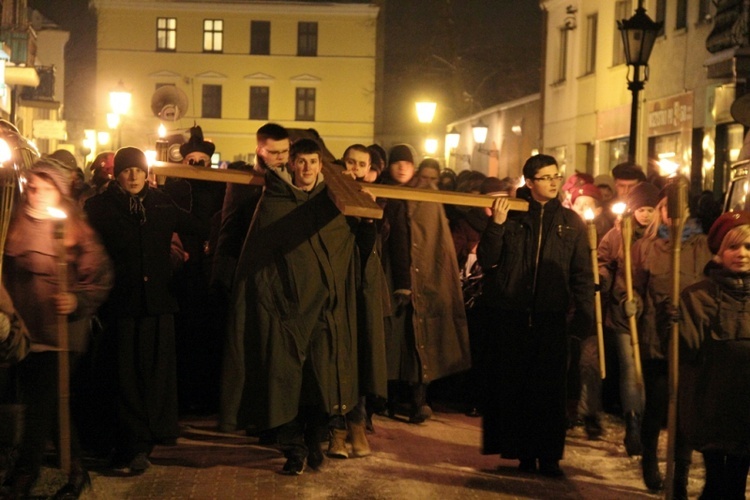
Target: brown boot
x=337, y=444
x=360, y=446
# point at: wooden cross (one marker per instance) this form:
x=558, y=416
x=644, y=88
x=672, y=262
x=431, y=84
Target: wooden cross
x=348, y=194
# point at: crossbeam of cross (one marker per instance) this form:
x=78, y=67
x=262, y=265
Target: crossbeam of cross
x=347, y=194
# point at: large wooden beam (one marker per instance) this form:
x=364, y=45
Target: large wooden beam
x=346, y=193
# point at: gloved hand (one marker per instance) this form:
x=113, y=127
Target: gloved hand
x=401, y=298
x=630, y=307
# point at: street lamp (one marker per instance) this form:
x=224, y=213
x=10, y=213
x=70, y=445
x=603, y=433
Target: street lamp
x=119, y=102
x=426, y=111
x=638, y=36
x=479, y=131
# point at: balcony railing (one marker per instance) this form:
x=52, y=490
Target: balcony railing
x=46, y=89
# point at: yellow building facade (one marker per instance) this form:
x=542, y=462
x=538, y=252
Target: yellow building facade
x=240, y=65
x=682, y=111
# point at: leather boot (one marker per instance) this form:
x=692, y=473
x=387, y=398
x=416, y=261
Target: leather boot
x=650, y=465
x=358, y=436
x=632, y=440
x=680, y=481
x=337, y=444
x=78, y=480
x=420, y=411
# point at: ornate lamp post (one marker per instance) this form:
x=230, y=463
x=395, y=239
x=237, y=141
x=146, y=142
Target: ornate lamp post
x=638, y=36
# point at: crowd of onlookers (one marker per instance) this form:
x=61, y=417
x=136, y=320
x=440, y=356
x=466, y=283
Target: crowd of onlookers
x=296, y=323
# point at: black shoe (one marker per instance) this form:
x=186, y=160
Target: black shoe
x=294, y=466
x=315, y=457
x=651, y=476
x=593, y=427
x=139, y=464
x=550, y=468
x=78, y=480
x=420, y=414
x=527, y=465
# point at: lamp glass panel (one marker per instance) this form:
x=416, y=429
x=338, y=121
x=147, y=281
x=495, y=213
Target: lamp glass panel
x=480, y=133
x=426, y=111
x=451, y=141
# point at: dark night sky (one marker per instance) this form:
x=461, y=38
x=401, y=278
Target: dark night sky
x=466, y=54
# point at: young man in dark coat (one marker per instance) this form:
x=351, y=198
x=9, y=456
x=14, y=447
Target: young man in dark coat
x=291, y=356
x=136, y=223
x=537, y=264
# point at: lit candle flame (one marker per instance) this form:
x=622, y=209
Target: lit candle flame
x=56, y=213
x=162, y=131
x=588, y=214
x=618, y=208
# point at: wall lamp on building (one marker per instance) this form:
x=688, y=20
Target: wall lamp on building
x=638, y=35
x=479, y=130
x=452, y=139
x=119, y=101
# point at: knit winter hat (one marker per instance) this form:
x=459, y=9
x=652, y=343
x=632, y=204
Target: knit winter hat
x=197, y=143
x=605, y=180
x=55, y=171
x=128, y=157
x=643, y=194
x=66, y=158
x=577, y=180
x=400, y=152
x=721, y=226
x=586, y=190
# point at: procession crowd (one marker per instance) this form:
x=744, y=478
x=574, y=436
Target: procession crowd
x=296, y=323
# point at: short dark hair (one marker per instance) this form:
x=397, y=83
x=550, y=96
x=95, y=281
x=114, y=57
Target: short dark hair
x=271, y=131
x=537, y=162
x=357, y=147
x=628, y=171
x=305, y=147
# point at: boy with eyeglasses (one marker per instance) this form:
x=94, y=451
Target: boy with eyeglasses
x=538, y=265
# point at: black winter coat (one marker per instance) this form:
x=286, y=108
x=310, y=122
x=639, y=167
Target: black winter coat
x=519, y=279
x=140, y=251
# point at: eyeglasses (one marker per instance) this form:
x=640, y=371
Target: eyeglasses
x=548, y=178
x=198, y=163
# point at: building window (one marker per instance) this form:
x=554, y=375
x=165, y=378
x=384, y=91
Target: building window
x=590, y=55
x=307, y=39
x=562, y=55
x=661, y=14
x=211, y=103
x=681, y=21
x=623, y=10
x=166, y=33
x=260, y=37
x=259, y=103
x=213, y=35
x=305, y=105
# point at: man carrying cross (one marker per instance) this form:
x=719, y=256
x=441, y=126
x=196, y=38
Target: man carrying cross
x=293, y=325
